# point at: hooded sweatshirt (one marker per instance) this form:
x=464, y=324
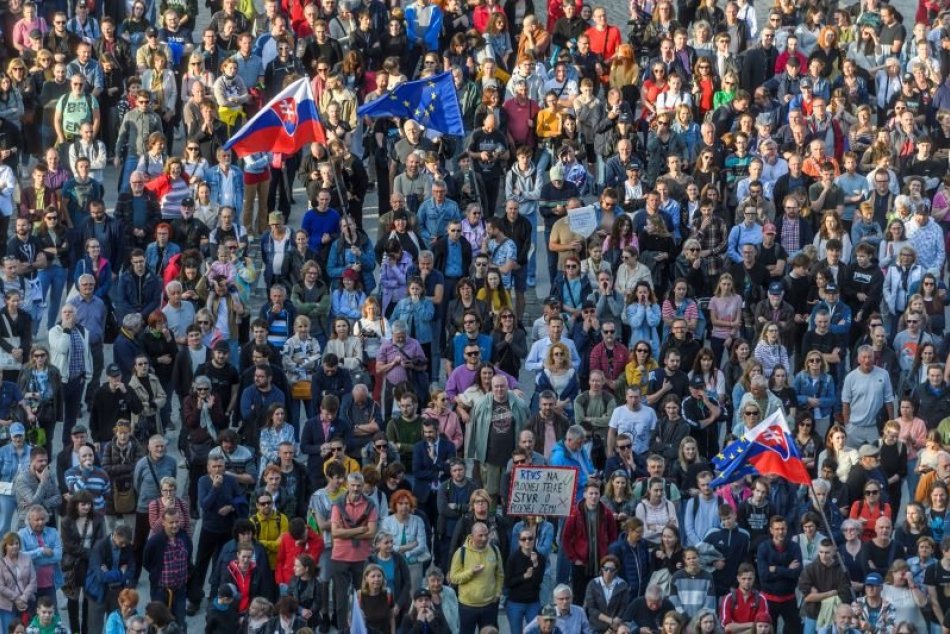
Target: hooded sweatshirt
x=477, y=589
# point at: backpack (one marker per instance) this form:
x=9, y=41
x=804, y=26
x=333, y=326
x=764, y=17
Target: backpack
x=734, y=595
x=61, y=104
x=719, y=502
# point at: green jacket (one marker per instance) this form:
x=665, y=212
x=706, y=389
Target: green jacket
x=476, y=434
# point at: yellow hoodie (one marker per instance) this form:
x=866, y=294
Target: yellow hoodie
x=477, y=589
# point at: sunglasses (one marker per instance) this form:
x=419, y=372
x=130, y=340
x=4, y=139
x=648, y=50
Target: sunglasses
x=622, y=447
x=871, y=492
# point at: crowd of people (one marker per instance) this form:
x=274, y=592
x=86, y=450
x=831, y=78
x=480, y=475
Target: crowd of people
x=771, y=199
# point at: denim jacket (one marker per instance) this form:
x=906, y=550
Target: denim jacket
x=10, y=463
x=31, y=547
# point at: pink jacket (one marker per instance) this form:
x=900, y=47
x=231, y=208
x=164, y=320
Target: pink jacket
x=448, y=424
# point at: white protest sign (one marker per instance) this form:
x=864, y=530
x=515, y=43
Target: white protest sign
x=542, y=491
x=583, y=220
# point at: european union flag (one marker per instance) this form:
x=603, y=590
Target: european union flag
x=431, y=101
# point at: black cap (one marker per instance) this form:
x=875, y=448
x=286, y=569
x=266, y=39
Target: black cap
x=188, y=202
x=831, y=288
x=113, y=370
x=588, y=305
x=400, y=215
x=79, y=429
x=221, y=346
x=697, y=381
x=421, y=593
x=151, y=32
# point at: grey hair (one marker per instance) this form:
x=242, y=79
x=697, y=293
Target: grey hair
x=380, y=536
x=574, y=432
x=132, y=621
x=279, y=287
x=653, y=591
x=759, y=381
x=355, y=478
x=38, y=509
x=398, y=326
x=564, y=589
x=426, y=255
x=202, y=381
x=849, y=523
x=821, y=485
x=87, y=277
x=168, y=480
x=174, y=285
x=132, y=321
x=866, y=349
x=435, y=571
x=360, y=387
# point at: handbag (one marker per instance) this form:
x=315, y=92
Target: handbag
x=300, y=391
x=123, y=498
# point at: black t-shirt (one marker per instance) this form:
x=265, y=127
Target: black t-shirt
x=890, y=34
x=768, y=256
x=938, y=577
x=501, y=439
x=493, y=141
x=640, y=613
x=222, y=379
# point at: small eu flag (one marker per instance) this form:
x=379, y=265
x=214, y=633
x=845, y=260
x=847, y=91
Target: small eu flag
x=431, y=101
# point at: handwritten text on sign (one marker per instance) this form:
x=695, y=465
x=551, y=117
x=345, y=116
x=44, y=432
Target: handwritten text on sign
x=542, y=491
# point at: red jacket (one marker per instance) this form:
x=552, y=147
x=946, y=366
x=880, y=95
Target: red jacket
x=575, y=533
x=288, y=549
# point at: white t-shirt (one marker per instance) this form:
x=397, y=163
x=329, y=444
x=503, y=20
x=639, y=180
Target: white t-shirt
x=639, y=424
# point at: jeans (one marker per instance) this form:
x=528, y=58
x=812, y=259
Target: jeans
x=92, y=385
x=521, y=613
x=53, y=281
x=533, y=250
x=6, y=618
x=7, y=513
x=131, y=162
x=174, y=598
x=810, y=625
x=72, y=399
x=552, y=256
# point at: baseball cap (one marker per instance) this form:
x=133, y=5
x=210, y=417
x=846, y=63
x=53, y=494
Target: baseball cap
x=422, y=592
x=79, y=429
x=548, y=612
x=221, y=346
x=556, y=173
x=113, y=370
x=697, y=381
x=17, y=429
x=831, y=288
x=874, y=579
x=188, y=202
x=151, y=32
x=868, y=451
x=350, y=274
x=805, y=83
x=776, y=288
x=769, y=228
x=635, y=164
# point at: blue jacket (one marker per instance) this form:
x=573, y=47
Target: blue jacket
x=124, y=351
x=560, y=292
x=347, y=305
x=430, y=38
x=840, y=324
x=253, y=404
x=97, y=580
x=151, y=257
x=426, y=471
x=211, y=500
x=131, y=301
x=561, y=456
x=104, y=279
x=341, y=257
x=783, y=580
x=823, y=390
x=433, y=222
x=418, y=317
x=30, y=546
x=215, y=178
x=634, y=563
x=10, y=463
x=543, y=382
x=544, y=538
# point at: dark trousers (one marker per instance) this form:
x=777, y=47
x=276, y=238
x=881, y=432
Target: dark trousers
x=140, y=536
x=472, y=619
x=73, y=609
x=72, y=401
x=93, y=384
x=579, y=581
x=174, y=598
x=346, y=575
x=209, y=545
x=788, y=612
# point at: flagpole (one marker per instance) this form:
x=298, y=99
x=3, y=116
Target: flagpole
x=824, y=519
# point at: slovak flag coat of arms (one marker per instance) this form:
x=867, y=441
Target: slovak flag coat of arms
x=766, y=449
x=285, y=124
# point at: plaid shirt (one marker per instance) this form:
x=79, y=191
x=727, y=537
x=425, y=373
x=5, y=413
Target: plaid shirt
x=791, y=237
x=174, y=564
x=77, y=351
x=713, y=239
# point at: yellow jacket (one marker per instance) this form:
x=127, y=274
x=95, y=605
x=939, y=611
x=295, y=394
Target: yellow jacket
x=477, y=589
x=269, y=531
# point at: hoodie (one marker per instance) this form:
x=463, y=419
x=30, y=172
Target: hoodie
x=55, y=626
x=477, y=589
x=525, y=188
x=221, y=617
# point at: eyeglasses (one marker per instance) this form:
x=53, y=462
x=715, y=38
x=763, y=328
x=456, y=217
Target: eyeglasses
x=751, y=413
x=507, y=316
x=814, y=361
x=871, y=492
x=609, y=568
x=557, y=354
x=526, y=538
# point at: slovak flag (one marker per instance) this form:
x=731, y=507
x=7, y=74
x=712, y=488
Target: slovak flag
x=766, y=449
x=285, y=124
